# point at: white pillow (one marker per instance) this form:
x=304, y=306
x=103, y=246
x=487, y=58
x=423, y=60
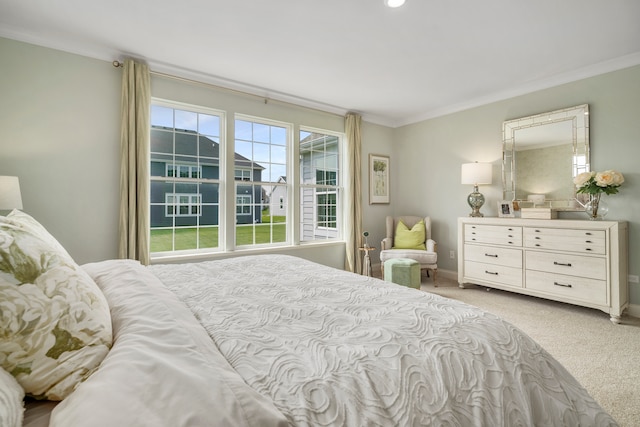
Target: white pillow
x=55, y=319
x=11, y=401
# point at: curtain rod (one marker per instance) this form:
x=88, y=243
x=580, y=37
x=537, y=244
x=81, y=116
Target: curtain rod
x=119, y=64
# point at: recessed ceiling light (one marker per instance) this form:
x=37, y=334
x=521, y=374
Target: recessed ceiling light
x=394, y=3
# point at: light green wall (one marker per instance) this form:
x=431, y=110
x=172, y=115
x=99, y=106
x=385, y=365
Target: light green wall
x=59, y=132
x=432, y=151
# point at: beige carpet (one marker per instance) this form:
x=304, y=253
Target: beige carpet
x=604, y=357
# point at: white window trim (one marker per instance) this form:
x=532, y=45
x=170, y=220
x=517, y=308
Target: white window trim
x=339, y=187
x=226, y=187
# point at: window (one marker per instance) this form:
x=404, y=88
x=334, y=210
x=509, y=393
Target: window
x=185, y=172
x=243, y=204
x=319, y=188
x=189, y=173
x=243, y=174
x=261, y=159
x=183, y=204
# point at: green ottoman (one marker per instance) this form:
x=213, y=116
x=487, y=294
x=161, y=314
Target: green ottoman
x=403, y=271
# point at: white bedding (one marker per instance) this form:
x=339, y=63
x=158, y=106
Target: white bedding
x=295, y=342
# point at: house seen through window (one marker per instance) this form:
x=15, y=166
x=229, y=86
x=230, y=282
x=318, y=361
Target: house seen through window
x=187, y=176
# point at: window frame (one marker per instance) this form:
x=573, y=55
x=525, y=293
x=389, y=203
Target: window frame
x=232, y=176
x=324, y=187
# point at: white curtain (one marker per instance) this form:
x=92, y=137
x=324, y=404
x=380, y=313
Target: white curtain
x=134, y=167
x=353, y=226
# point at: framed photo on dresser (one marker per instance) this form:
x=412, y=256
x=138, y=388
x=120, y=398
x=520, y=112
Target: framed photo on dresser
x=506, y=209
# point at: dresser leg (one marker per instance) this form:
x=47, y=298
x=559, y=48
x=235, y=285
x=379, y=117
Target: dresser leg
x=616, y=319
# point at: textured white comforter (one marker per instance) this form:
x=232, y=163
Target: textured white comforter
x=288, y=341
x=329, y=347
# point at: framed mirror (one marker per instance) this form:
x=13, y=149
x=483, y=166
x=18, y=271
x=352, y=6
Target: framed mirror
x=542, y=154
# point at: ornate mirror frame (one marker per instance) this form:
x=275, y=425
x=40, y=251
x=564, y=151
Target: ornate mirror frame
x=575, y=123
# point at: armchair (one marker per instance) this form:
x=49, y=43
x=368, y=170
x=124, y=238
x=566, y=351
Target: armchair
x=427, y=257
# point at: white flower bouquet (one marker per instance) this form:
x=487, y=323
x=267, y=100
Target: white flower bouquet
x=598, y=182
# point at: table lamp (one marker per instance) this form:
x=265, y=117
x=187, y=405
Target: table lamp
x=476, y=174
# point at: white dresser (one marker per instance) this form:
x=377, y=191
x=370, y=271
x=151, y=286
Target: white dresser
x=574, y=261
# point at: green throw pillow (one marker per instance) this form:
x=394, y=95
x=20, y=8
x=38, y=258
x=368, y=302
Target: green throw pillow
x=409, y=239
x=55, y=321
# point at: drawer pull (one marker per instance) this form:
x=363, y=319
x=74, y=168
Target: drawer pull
x=492, y=255
x=510, y=229
x=588, y=249
x=537, y=231
x=538, y=244
x=491, y=272
x=537, y=238
x=563, y=285
x=588, y=241
x=568, y=264
x=587, y=233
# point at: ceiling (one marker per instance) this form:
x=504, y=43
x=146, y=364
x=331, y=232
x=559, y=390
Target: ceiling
x=393, y=66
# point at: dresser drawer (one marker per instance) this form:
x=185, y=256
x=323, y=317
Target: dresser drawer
x=574, y=265
x=493, y=255
x=493, y=234
x=493, y=273
x=577, y=288
x=583, y=241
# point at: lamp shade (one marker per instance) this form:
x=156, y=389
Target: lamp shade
x=10, y=197
x=477, y=173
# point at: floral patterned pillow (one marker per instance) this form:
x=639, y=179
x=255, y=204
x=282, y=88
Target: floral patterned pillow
x=11, y=405
x=55, y=321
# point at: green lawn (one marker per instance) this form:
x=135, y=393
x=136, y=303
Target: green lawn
x=187, y=238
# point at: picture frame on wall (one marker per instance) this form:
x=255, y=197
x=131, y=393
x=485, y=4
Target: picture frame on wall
x=379, y=189
x=506, y=209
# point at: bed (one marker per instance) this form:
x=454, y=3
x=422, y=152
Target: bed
x=275, y=340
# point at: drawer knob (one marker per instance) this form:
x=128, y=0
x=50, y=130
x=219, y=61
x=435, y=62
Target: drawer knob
x=491, y=255
x=564, y=285
x=587, y=233
x=537, y=231
x=537, y=238
x=588, y=249
x=568, y=264
x=538, y=244
x=588, y=241
x=491, y=272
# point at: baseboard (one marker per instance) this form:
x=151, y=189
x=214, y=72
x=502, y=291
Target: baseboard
x=634, y=310
x=448, y=274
